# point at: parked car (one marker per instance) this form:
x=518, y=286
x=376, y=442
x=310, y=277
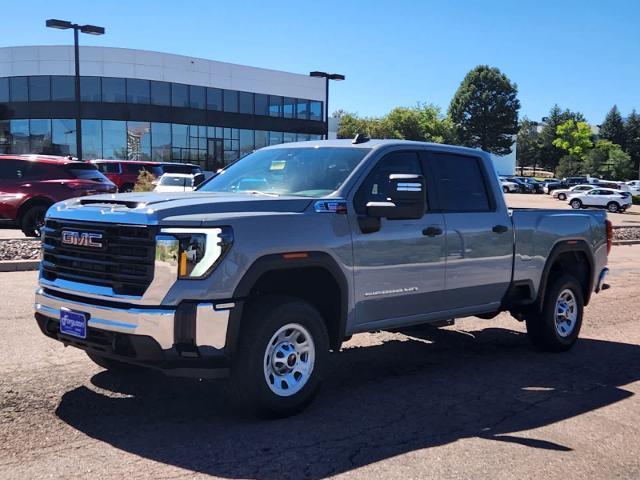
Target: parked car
x=259, y=285
x=30, y=184
x=537, y=186
x=508, y=186
x=523, y=187
x=175, y=167
x=565, y=183
x=613, y=200
x=178, y=182
x=124, y=173
x=634, y=187
x=563, y=194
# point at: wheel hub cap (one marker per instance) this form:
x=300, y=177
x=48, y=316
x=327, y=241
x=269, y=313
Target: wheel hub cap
x=289, y=359
x=566, y=313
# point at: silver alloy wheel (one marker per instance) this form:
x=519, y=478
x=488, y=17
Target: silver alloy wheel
x=613, y=207
x=566, y=313
x=289, y=359
x=576, y=204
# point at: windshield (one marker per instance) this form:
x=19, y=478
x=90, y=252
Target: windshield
x=86, y=172
x=171, y=181
x=307, y=172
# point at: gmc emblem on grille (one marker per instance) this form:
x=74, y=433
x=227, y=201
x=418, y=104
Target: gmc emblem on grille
x=82, y=239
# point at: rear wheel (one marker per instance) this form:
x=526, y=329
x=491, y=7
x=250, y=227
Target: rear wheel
x=280, y=361
x=557, y=326
x=33, y=221
x=576, y=204
x=111, y=364
x=562, y=196
x=613, y=207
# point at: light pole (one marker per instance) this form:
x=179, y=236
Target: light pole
x=327, y=77
x=91, y=30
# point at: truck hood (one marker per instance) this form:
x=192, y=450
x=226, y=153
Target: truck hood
x=179, y=208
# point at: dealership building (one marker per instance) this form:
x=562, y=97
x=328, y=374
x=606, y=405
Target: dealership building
x=144, y=105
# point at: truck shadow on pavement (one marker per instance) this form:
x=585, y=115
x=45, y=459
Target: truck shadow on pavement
x=412, y=392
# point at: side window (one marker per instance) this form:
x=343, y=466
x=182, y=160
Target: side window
x=376, y=185
x=460, y=182
x=132, y=168
x=9, y=169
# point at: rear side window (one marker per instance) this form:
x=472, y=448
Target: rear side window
x=108, y=167
x=462, y=186
x=11, y=169
x=376, y=186
x=85, y=171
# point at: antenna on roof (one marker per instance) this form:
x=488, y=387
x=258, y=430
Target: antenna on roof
x=360, y=138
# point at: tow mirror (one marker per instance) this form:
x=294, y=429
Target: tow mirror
x=407, y=197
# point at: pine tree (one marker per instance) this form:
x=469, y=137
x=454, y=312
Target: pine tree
x=632, y=131
x=484, y=110
x=613, y=127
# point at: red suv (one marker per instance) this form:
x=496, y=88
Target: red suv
x=124, y=173
x=30, y=184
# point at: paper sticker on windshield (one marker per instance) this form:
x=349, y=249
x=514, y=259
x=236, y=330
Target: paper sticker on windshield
x=278, y=165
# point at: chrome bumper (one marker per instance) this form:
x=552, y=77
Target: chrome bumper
x=211, y=319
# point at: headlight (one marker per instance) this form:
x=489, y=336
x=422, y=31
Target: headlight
x=198, y=251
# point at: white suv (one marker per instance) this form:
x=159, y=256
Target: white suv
x=613, y=200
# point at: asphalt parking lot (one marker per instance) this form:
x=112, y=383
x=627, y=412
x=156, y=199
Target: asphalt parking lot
x=469, y=401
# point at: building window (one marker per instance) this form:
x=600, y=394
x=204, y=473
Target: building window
x=247, y=143
x=160, y=93
x=179, y=95
x=138, y=140
x=138, y=91
x=4, y=89
x=161, y=142
x=19, y=136
x=288, y=137
x=275, y=138
x=91, y=139
x=262, y=139
x=40, y=88
x=230, y=101
x=40, y=136
x=315, y=110
x=302, y=110
x=275, y=106
x=262, y=104
x=63, y=136
x=197, y=97
x=214, y=99
x=180, y=141
x=289, y=108
x=90, y=90
x=19, y=89
x=114, y=139
x=63, y=89
x=113, y=90
x=302, y=137
x=246, y=103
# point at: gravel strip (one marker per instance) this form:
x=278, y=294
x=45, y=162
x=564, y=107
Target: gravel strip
x=28, y=249
x=626, y=233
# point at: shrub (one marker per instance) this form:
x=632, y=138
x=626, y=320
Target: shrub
x=144, y=183
x=636, y=199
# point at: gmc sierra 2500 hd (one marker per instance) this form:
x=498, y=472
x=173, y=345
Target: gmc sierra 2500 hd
x=288, y=252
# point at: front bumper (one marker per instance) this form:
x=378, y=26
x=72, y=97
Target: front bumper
x=176, y=339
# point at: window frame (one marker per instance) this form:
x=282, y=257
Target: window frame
x=491, y=199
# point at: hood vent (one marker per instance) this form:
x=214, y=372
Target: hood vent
x=111, y=203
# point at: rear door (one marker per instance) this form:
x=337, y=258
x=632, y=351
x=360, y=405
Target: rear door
x=479, y=232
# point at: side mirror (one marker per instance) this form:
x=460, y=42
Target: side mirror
x=407, y=197
x=198, y=178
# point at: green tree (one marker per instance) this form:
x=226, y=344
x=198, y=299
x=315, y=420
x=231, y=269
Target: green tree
x=550, y=155
x=632, y=133
x=574, y=138
x=484, y=110
x=597, y=156
x=613, y=127
x=618, y=166
x=568, y=166
x=529, y=144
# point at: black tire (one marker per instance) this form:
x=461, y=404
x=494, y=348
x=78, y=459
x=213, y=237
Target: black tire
x=113, y=365
x=562, y=196
x=542, y=329
x=33, y=220
x=126, y=188
x=263, y=319
x=613, y=207
x=576, y=204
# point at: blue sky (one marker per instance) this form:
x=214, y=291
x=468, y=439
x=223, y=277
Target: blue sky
x=583, y=55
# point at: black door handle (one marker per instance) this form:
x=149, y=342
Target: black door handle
x=500, y=229
x=432, y=231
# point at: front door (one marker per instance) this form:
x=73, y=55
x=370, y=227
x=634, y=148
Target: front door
x=399, y=269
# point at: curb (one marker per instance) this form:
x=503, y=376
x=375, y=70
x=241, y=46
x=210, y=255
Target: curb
x=625, y=242
x=19, y=265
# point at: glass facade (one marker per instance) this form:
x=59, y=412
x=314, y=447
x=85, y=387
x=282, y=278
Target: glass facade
x=210, y=146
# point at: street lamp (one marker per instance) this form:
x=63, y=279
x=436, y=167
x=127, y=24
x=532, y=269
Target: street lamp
x=90, y=30
x=327, y=77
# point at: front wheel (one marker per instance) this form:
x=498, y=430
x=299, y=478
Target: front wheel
x=613, y=207
x=280, y=361
x=557, y=326
x=576, y=204
x=33, y=221
x=562, y=196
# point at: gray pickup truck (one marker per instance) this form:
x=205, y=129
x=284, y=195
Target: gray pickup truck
x=285, y=254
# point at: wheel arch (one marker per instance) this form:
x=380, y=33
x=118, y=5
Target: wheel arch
x=32, y=202
x=311, y=276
